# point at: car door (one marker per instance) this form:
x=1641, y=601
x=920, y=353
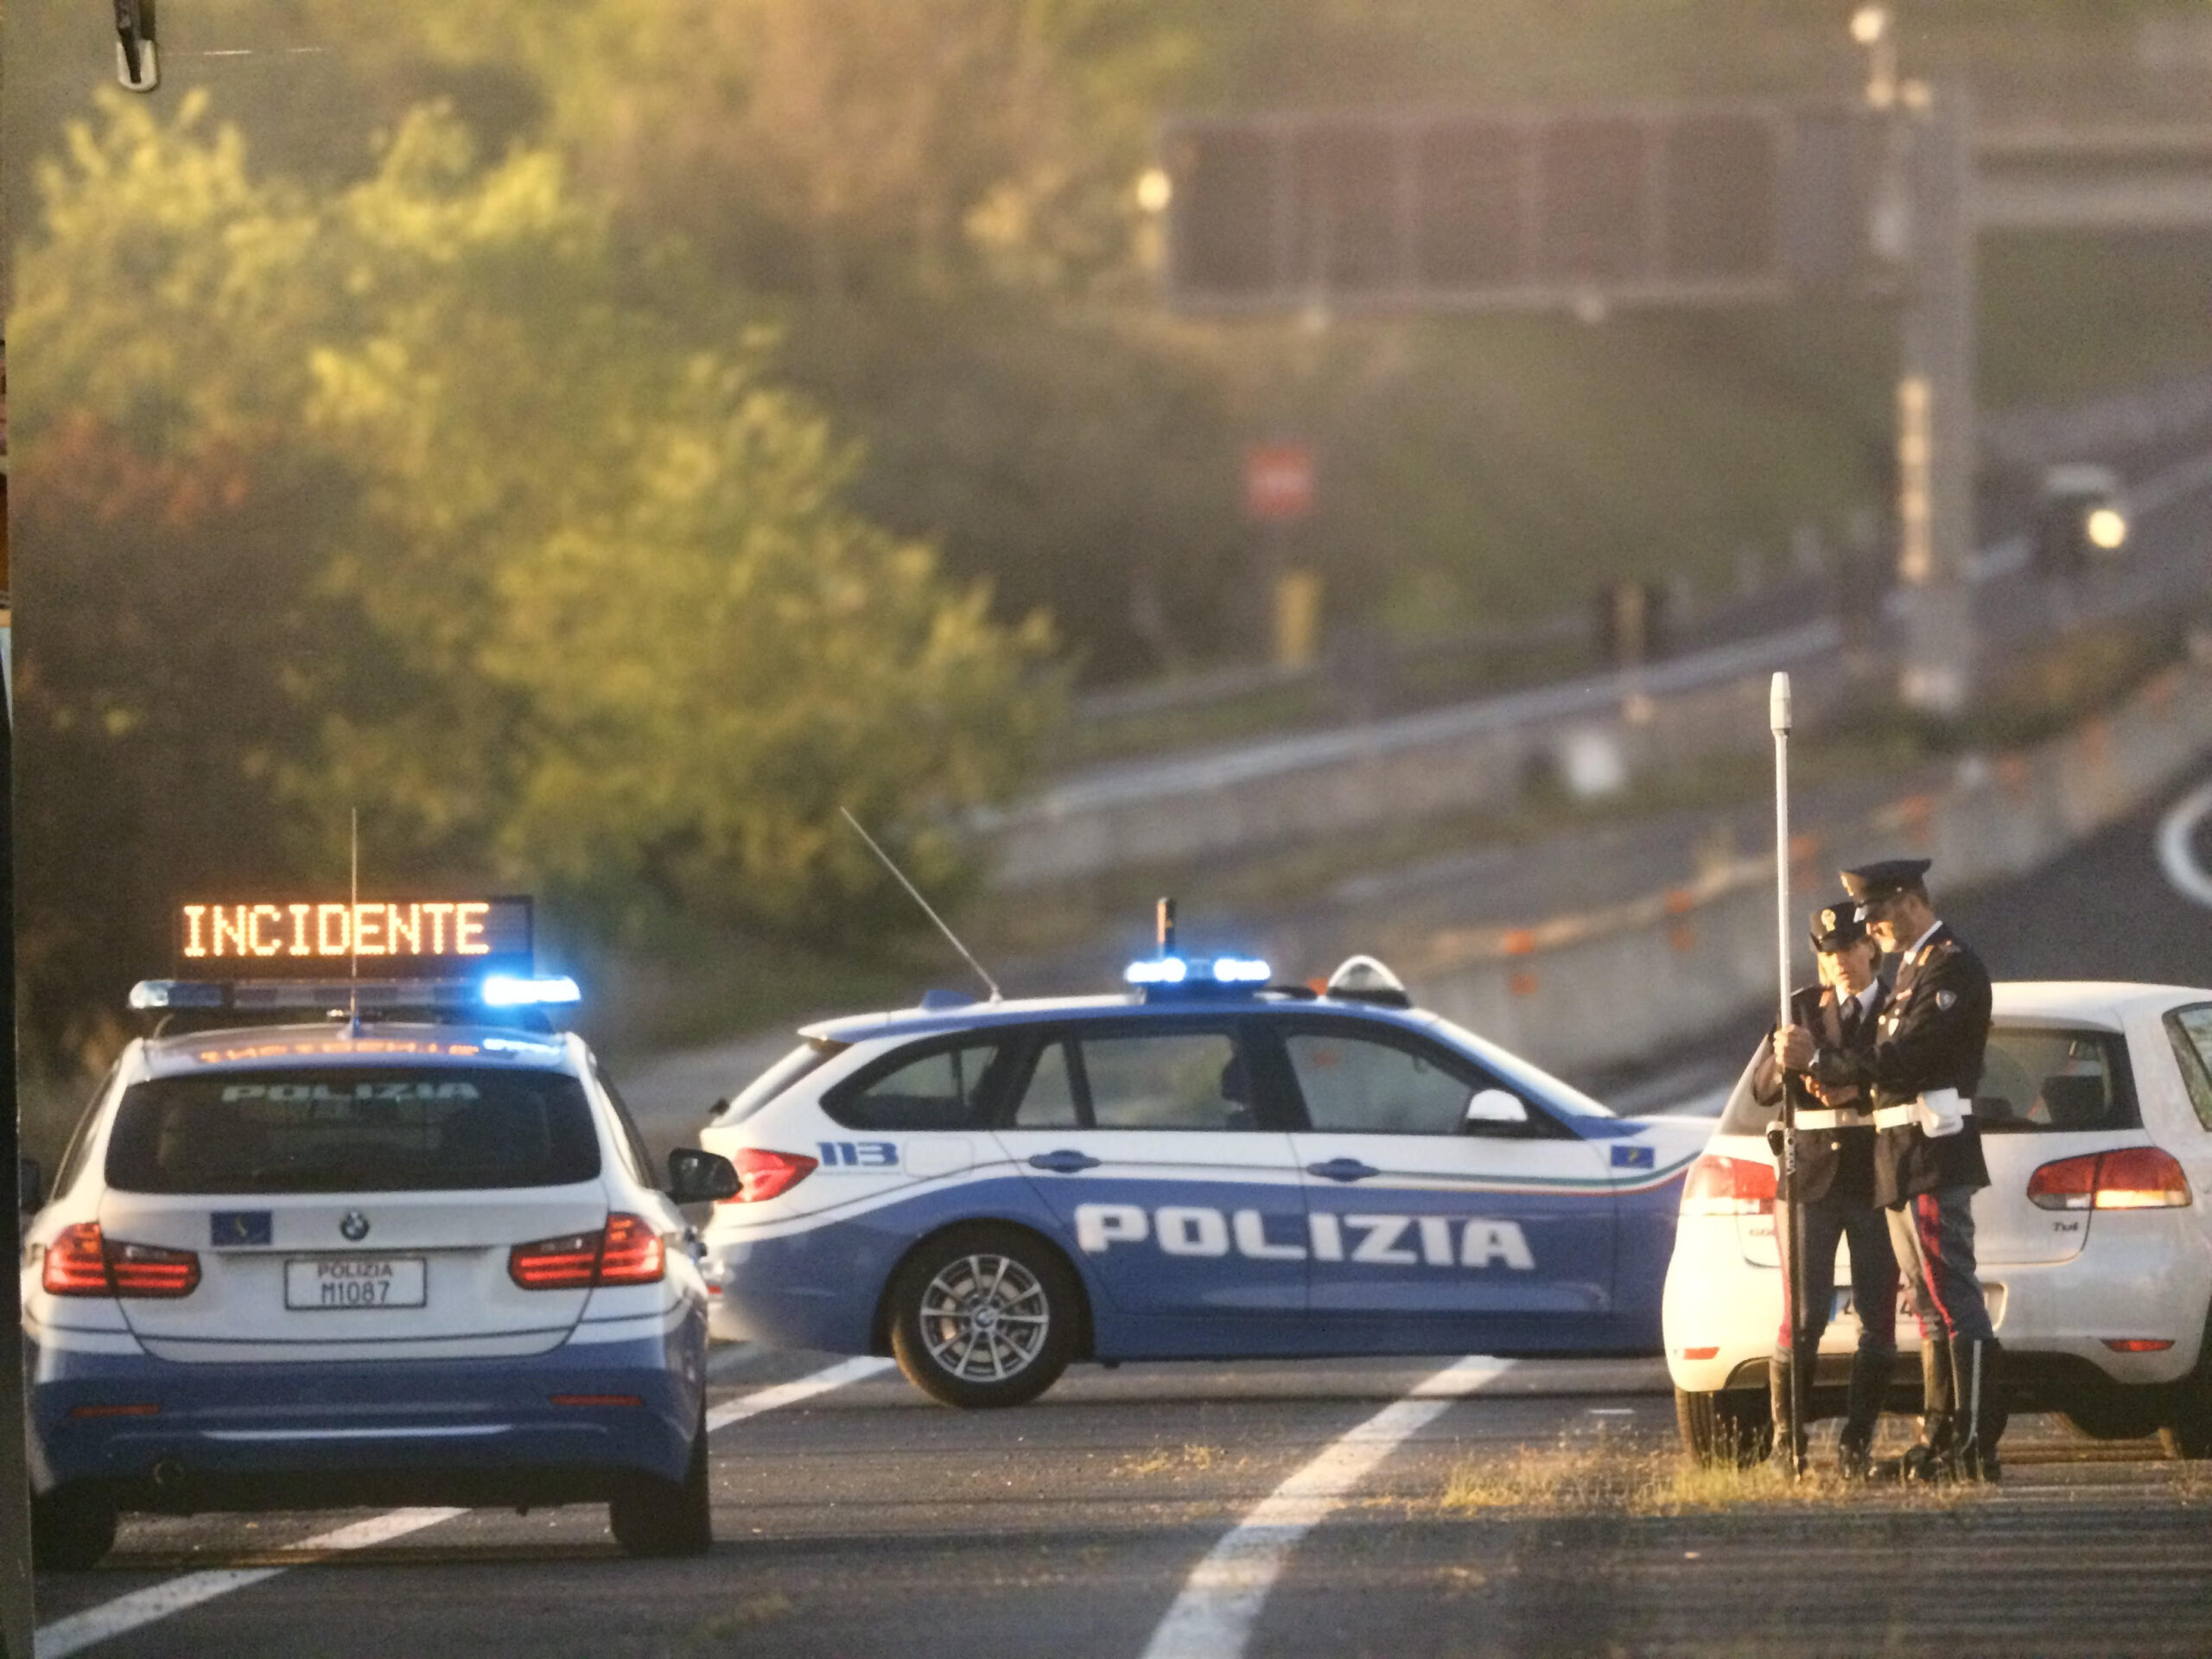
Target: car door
x=1436, y=1193
x=1144, y=1139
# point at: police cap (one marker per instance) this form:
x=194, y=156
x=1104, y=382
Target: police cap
x=1872, y=882
x=1837, y=926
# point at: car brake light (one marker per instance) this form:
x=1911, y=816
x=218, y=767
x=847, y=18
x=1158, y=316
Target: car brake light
x=1728, y=1186
x=626, y=1251
x=82, y=1262
x=76, y=1263
x=2134, y=1178
x=632, y=1255
x=762, y=1174
x=2138, y=1344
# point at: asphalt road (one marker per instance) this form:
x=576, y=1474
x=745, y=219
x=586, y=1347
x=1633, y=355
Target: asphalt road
x=1117, y=1517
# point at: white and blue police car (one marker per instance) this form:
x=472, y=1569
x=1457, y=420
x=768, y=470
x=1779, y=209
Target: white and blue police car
x=383, y=1240
x=1208, y=1166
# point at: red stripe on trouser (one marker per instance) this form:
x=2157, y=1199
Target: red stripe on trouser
x=1927, y=1226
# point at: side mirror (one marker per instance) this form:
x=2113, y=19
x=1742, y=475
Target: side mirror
x=1496, y=1106
x=30, y=1185
x=698, y=1177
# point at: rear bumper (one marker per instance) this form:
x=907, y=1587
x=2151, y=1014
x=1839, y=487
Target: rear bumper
x=268, y=1435
x=2142, y=1276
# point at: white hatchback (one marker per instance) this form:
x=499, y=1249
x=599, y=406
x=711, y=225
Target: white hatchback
x=2093, y=1239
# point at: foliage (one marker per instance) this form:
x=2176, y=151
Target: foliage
x=421, y=496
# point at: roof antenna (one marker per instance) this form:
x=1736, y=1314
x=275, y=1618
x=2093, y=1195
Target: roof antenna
x=354, y=937
x=997, y=996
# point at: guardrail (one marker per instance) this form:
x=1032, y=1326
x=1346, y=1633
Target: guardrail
x=1584, y=991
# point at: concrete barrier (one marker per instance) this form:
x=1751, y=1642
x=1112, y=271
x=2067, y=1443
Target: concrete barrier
x=1585, y=991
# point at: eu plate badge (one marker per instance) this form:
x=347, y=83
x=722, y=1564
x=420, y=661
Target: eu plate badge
x=238, y=1227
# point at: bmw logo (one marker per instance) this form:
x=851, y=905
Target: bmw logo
x=354, y=1225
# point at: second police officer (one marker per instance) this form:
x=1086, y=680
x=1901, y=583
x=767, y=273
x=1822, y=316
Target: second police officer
x=1922, y=1072
x=1833, y=1189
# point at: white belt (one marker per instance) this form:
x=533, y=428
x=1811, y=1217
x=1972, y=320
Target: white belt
x=1833, y=1118
x=1940, y=1112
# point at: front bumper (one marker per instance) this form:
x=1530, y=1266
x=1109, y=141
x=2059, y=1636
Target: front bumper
x=269, y=1435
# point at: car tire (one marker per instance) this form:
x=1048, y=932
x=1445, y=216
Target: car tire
x=665, y=1518
x=983, y=1317
x=1728, y=1428
x=72, y=1528
x=2122, y=1415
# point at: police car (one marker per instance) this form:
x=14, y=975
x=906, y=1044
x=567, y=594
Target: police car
x=2093, y=1240
x=373, y=1241
x=1207, y=1166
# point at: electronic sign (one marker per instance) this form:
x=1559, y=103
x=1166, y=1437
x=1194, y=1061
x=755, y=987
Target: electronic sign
x=405, y=938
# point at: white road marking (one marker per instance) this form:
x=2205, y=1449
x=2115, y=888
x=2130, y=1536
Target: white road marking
x=2176, y=849
x=81, y=1631
x=790, y=1393
x=1212, y=1619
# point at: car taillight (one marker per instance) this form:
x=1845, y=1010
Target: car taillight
x=76, y=1263
x=632, y=1255
x=762, y=1174
x=81, y=1262
x=626, y=1251
x=2134, y=1178
x=1728, y=1186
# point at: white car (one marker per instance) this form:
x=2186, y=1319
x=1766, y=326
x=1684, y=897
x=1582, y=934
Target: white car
x=413, y=1257
x=2093, y=1239
x=1208, y=1166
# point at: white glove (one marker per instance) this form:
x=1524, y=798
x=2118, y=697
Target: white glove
x=1941, y=1113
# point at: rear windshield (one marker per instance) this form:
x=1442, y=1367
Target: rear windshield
x=352, y=1131
x=2034, y=1079
x=809, y=1056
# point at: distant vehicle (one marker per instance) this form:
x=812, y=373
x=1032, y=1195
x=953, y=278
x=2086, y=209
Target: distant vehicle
x=2080, y=516
x=1210, y=1166
x=411, y=1258
x=2094, y=1239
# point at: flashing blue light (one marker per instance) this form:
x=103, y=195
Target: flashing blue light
x=1163, y=970
x=512, y=991
x=1240, y=970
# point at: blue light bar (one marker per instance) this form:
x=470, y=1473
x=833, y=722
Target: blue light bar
x=1162, y=970
x=512, y=991
x=1240, y=970
x=150, y=994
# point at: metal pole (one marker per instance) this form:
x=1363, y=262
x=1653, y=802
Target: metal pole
x=1778, y=719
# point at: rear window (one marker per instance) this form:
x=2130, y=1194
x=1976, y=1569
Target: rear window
x=2033, y=1080
x=939, y=1086
x=809, y=1056
x=352, y=1131
x=2039, y=1080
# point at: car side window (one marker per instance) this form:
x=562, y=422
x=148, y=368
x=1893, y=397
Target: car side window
x=630, y=1144
x=1166, y=1080
x=1353, y=1084
x=2189, y=1032
x=1049, y=1102
x=945, y=1087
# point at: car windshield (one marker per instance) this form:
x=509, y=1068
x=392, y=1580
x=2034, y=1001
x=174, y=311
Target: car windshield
x=352, y=1131
x=1540, y=1084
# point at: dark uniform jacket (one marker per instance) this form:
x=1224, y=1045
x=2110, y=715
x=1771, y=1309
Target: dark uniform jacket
x=1930, y=1036
x=1834, y=1164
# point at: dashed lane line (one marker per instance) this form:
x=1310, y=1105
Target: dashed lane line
x=111, y=1618
x=81, y=1631
x=1213, y=1616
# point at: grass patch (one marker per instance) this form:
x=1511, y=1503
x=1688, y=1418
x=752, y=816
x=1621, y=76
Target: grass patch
x=1161, y=1460
x=1606, y=1476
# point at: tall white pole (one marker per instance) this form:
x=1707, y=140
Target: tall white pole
x=1778, y=718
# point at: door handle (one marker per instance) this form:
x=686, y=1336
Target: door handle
x=1343, y=1169
x=1063, y=1163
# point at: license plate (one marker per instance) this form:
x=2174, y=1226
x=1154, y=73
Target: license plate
x=344, y=1282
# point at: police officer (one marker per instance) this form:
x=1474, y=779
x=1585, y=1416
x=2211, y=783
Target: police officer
x=1922, y=1072
x=1833, y=1188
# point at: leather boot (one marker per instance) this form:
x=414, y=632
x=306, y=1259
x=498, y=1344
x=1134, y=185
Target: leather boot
x=1788, y=1456
x=1930, y=1458
x=1975, y=1368
x=1869, y=1393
